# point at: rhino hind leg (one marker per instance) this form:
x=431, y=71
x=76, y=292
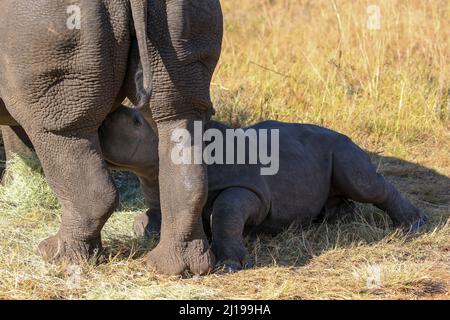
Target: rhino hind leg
x=355, y=177
x=85, y=190
x=64, y=135
x=233, y=209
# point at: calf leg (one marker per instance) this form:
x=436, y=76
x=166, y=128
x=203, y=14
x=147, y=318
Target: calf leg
x=233, y=209
x=356, y=178
x=148, y=224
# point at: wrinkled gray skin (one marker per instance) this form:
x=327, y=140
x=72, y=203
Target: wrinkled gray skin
x=57, y=85
x=321, y=171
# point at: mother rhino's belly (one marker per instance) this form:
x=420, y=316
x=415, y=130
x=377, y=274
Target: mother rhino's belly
x=56, y=76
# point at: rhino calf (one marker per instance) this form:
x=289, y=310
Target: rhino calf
x=320, y=173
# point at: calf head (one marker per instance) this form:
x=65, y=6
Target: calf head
x=128, y=142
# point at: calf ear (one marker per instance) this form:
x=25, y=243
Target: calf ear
x=147, y=114
x=153, y=125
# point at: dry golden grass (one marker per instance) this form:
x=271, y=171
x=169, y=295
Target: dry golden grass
x=305, y=61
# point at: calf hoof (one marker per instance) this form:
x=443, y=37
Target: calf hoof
x=228, y=266
x=232, y=256
x=184, y=258
x=231, y=266
x=55, y=249
x=418, y=224
x=144, y=226
x=51, y=249
x=139, y=225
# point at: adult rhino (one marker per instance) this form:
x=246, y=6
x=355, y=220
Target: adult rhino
x=59, y=79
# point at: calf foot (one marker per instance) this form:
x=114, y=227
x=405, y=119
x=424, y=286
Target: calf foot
x=194, y=257
x=231, y=257
x=231, y=266
x=406, y=216
x=402, y=212
x=55, y=249
x=227, y=266
x=417, y=225
x=147, y=225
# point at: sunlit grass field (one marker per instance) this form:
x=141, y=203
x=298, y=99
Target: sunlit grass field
x=298, y=61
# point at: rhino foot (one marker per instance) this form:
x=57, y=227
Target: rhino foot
x=56, y=249
x=185, y=258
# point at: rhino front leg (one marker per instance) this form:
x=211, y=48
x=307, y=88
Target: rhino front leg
x=183, y=190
